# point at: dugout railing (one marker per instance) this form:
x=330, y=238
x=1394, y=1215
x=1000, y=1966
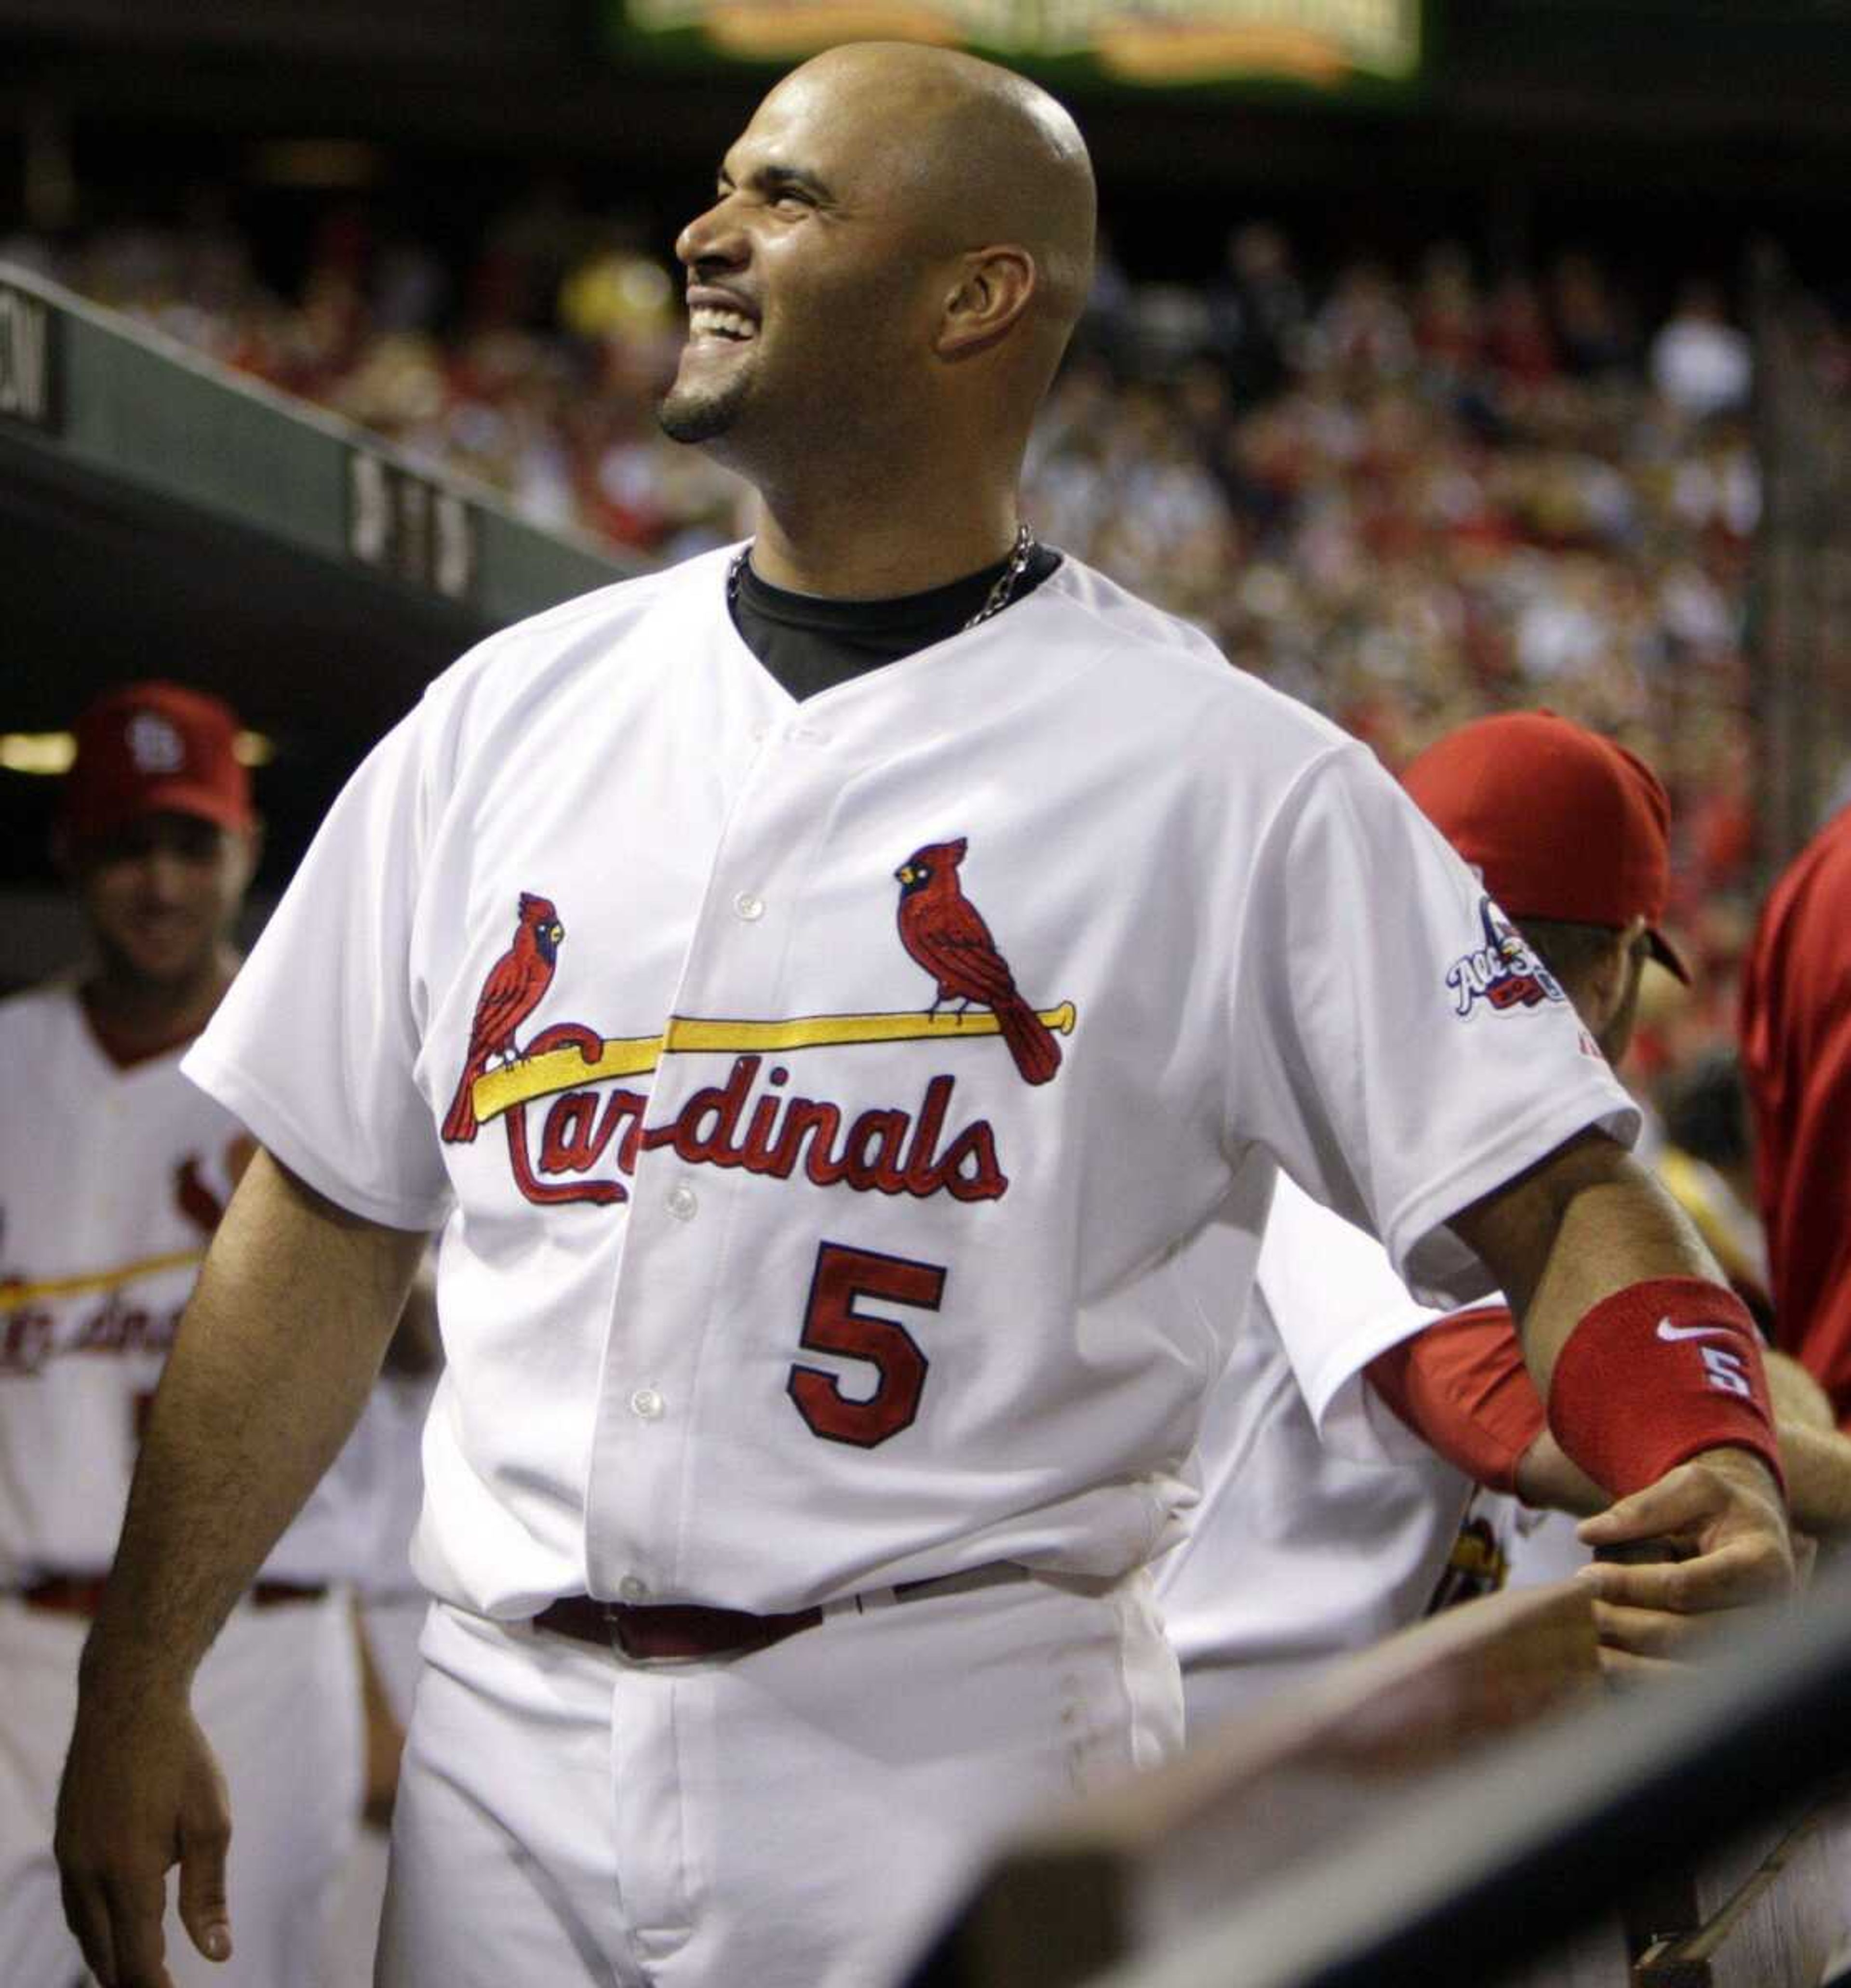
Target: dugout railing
x=1550, y=1832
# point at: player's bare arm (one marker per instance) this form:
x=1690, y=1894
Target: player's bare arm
x=1816, y=1453
x=1548, y=1480
x=1583, y=1226
x=278, y=1349
x=1819, y=1481
x=1461, y=1385
x=1816, y=1457
x=1583, y=1223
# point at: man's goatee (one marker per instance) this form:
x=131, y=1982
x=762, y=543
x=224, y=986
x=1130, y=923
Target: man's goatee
x=695, y=418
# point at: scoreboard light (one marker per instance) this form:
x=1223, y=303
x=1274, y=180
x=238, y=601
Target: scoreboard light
x=1330, y=44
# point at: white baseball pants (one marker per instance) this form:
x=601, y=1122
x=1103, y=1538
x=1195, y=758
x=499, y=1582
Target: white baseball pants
x=279, y=1698
x=802, y=1816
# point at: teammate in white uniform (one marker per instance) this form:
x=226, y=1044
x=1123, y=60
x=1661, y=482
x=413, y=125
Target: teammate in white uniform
x=1302, y=1551
x=383, y=1453
x=1325, y=1524
x=850, y=1121
x=113, y=1171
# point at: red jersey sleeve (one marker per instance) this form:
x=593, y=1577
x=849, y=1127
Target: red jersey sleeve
x=1462, y=1388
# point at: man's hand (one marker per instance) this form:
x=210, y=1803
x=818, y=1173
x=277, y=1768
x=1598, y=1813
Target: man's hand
x=1721, y=1516
x=280, y=1344
x=1587, y=1222
x=141, y=1791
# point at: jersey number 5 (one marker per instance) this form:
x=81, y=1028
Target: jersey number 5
x=831, y=1324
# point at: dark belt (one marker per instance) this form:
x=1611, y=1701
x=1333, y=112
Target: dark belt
x=82, y=1593
x=658, y=1632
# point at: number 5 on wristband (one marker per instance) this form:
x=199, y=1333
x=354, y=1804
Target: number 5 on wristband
x=1655, y=1373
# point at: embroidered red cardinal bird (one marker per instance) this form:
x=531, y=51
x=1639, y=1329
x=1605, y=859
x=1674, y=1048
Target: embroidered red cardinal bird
x=946, y=934
x=510, y=995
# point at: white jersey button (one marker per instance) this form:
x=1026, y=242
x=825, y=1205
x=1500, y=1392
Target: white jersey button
x=631, y=1589
x=648, y=1403
x=682, y=1202
x=749, y=907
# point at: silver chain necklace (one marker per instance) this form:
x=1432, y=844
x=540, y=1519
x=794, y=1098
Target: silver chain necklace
x=994, y=601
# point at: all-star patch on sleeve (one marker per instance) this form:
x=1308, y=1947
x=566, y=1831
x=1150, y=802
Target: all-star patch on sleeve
x=1400, y=1050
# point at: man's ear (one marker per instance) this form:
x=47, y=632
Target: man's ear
x=252, y=839
x=993, y=288
x=1610, y=977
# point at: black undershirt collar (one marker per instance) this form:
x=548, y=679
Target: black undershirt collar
x=810, y=644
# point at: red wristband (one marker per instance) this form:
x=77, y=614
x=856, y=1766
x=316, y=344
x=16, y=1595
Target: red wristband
x=1655, y=1374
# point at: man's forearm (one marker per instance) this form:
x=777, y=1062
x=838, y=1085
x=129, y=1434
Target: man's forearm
x=1547, y=1481
x=1586, y=1223
x=1818, y=1464
x=270, y=1369
x=1589, y=1225
x=1818, y=1479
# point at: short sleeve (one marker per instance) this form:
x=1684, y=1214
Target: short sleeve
x=1335, y=1304
x=1397, y=1048
x=314, y=1048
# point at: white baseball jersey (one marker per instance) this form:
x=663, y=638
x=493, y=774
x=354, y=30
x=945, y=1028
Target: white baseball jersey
x=1325, y=1524
x=111, y=1182
x=852, y=1122
x=1538, y=1547
x=382, y=1487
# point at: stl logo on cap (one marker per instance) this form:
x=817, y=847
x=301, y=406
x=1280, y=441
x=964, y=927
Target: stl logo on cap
x=154, y=745
x=153, y=748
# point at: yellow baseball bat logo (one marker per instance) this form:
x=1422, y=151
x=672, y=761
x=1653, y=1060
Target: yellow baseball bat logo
x=519, y=1083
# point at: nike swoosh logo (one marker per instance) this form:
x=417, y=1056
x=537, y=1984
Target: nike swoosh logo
x=1667, y=1330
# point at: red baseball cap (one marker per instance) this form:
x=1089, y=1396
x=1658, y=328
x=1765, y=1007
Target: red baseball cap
x=1559, y=822
x=154, y=748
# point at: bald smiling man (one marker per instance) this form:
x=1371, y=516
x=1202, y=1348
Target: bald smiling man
x=880, y=295
x=845, y=1001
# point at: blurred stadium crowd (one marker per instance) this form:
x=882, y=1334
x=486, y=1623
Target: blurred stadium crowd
x=1404, y=495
